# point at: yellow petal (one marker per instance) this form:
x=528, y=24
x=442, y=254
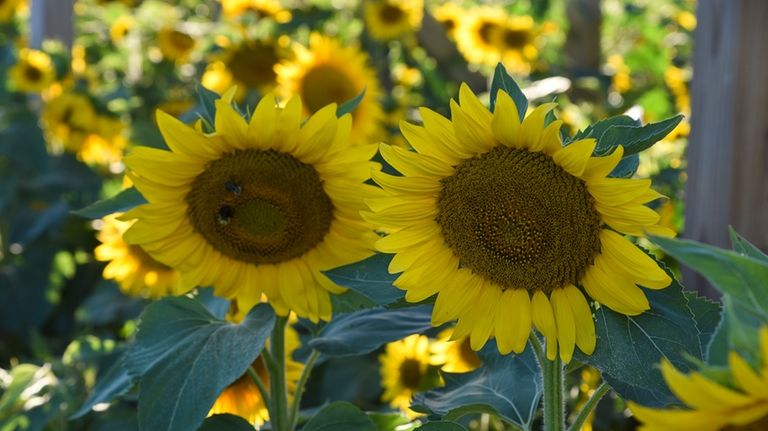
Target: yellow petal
x=574, y=157
x=582, y=316
x=505, y=123
x=544, y=319
x=566, y=325
x=600, y=167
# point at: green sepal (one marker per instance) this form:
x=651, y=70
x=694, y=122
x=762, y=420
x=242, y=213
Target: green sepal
x=351, y=104
x=121, y=202
x=502, y=81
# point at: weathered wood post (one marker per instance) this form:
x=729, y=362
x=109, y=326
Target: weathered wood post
x=728, y=150
x=51, y=19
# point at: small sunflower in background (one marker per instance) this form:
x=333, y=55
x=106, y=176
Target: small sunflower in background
x=105, y=142
x=488, y=35
x=392, y=19
x=267, y=204
x=242, y=398
x=120, y=28
x=590, y=379
x=270, y=9
x=175, y=44
x=741, y=403
x=502, y=222
x=406, y=368
x=33, y=72
x=67, y=120
x=621, y=80
x=453, y=356
x=677, y=80
x=134, y=271
x=248, y=65
x=449, y=15
x=327, y=72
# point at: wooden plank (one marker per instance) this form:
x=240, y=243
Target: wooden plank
x=51, y=19
x=728, y=150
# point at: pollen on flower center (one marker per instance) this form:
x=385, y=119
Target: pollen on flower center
x=260, y=206
x=520, y=220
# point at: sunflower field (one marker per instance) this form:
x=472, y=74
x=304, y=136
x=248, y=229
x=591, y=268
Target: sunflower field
x=374, y=215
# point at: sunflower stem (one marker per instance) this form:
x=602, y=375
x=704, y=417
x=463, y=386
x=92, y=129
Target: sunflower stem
x=278, y=414
x=294, y=418
x=259, y=384
x=554, y=387
x=589, y=407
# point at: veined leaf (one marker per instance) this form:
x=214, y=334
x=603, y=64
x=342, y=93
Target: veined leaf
x=370, y=278
x=502, y=81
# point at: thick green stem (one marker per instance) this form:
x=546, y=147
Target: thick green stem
x=589, y=406
x=554, y=387
x=294, y=418
x=259, y=384
x=278, y=412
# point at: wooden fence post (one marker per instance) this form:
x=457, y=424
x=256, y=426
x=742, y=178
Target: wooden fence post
x=728, y=150
x=51, y=19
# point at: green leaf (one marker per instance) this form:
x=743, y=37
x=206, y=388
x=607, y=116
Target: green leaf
x=502, y=81
x=364, y=331
x=370, y=278
x=225, y=422
x=708, y=316
x=113, y=383
x=390, y=422
x=441, y=426
x=350, y=105
x=206, y=100
x=629, y=348
x=596, y=130
x=635, y=139
x=509, y=386
x=340, y=416
x=21, y=377
x=743, y=278
x=742, y=246
x=185, y=357
x=350, y=301
x=120, y=202
x=626, y=167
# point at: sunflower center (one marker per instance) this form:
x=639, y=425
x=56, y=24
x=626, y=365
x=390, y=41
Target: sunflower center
x=254, y=65
x=487, y=31
x=324, y=85
x=32, y=73
x=518, y=219
x=391, y=14
x=410, y=373
x=182, y=41
x=758, y=425
x=515, y=39
x=260, y=206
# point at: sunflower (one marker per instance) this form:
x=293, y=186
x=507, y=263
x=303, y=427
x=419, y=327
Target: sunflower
x=250, y=65
x=449, y=15
x=34, y=72
x=406, y=369
x=330, y=73
x=105, y=143
x=454, y=356
x=270, y=9
x=502, y=222
x=67, y=120
x=120, y=28
x=489, y=35
x=742, y=404
x=392, y=19
x=242, y=398
x=175, y=44
x=131, y=267
x=622, y=80
x=256, y=207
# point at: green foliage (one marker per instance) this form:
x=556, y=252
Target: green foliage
x=370, y=278
x=502, y=81
x=628, y=346
x=635, y=139
x=206, y=100
x=340, y=416
x=113, y=383
x=441, y=426
x=175, y=348
x=350, y=105
x=225, y=422
x=509, y=386
x=121, y=202
x=742, y=277
x=364, y=331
